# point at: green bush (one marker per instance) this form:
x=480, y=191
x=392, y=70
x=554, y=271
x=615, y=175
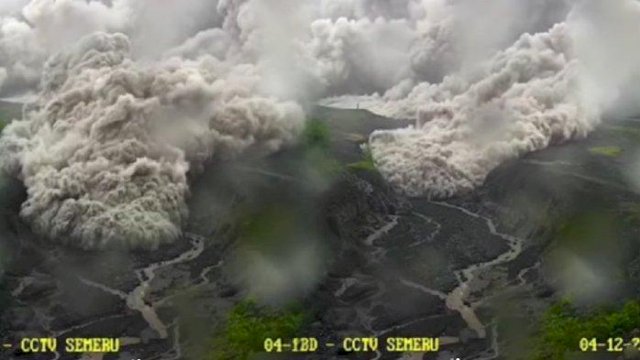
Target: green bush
x=316, y=134
x=3, y=122
x=266, y=228
x=248, y=325
x=631, y=133
x=323, y=163
x=563, y=327
x=609, y=151
x=366, y=163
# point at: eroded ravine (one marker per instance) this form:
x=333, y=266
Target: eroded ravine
x=136, y=299
x=456, y=299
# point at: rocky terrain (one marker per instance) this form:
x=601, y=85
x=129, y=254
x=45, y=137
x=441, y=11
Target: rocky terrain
x=475, y=271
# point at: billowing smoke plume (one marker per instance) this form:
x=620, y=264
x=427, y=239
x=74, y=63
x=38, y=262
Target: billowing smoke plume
x=106, y=151
x=123, y=115
x=32, y=30
x=523, y=100
x=29, y=34
x=546, y=88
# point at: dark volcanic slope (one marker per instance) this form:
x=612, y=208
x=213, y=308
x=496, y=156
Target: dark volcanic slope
x=350, y=128
x=558, y=223
x=468, y=270
x=10, y=111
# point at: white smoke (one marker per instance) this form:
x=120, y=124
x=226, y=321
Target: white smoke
x=605, y=40
x=521, y=101
x=42, y=27
x=546, y=88
x=106, y=153
x=473, y=38
x=338, y=49
x=12, y=6
x=371, y=9
x=125, y=114
x=154, y=27
x=31, y=31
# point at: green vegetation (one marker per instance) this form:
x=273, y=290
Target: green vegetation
x=610, y=151
x=630, y=212
x=267, y=228
x=628, y=131
x=366, y=163
x=563, y=327
x=316, y=134
x=248, y=325
x=582, y=232
x=323, y=164
x=316, y=139
x=5, y=293
x=3, y=121
x=8, y=112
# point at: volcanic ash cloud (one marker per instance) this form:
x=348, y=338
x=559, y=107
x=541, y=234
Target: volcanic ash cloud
x=522, y=100
x=105, y=150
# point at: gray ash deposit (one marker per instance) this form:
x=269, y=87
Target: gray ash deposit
x=381, y=264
